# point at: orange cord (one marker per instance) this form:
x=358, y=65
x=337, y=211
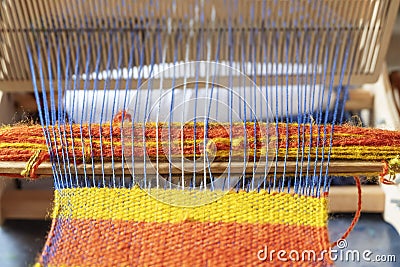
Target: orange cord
x=42, y=157
x=356, y=216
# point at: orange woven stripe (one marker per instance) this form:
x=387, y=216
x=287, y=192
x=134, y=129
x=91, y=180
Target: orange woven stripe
x=344, y=134
x=125, y=243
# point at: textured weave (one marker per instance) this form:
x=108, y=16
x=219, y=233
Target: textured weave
x=134, y=229
x=242, y=207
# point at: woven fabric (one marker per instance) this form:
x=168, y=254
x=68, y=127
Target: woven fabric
x=100, y=226
x=26, y=143
x=128, y=227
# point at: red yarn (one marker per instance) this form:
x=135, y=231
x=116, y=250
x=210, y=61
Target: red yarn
x=122, y=116
x=356, y=216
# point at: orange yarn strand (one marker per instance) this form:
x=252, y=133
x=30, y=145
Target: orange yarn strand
x=356, y=216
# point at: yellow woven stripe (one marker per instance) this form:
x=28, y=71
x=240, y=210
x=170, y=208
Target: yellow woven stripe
x=24, y=145
x=348, y=152
x=136, y=205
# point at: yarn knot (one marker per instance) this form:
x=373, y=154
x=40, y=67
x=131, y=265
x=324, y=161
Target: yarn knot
x=391, y=168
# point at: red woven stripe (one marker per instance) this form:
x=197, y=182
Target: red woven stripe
x=125, y=243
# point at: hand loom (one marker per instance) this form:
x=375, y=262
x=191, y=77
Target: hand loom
x=193, y=133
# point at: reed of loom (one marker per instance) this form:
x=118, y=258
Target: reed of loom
x=141, y=180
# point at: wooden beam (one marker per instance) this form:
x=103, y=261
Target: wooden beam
x=27, y=85
x=346, y=168
x=359, y=99
x=26, y=204
x=344, y=199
